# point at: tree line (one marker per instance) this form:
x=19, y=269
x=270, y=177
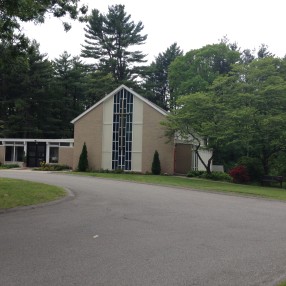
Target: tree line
x=233, y=98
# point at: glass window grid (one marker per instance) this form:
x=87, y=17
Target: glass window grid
x=122, y=130
x=14, y=153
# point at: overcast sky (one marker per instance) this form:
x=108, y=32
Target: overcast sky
x=191, y=23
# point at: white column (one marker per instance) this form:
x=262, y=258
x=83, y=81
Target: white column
x=47, y=152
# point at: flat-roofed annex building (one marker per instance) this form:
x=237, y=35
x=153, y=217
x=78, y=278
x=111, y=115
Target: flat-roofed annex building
x=35, y=151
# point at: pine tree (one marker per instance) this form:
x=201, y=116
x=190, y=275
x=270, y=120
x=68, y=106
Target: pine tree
x=108, y=40
x=83, y=161
x=156, y=165
x=70, y=76
x=157, y=84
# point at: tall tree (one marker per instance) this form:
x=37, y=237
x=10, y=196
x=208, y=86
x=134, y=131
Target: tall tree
x=200, y=121
x=70, y=76
x=110, y=39
x=156, y=86
x=255, y=97
x=196, y=71
x=25, y=83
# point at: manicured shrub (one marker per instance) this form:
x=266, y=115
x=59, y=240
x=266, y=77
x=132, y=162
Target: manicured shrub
x=217, y=176
x=195, y=173
x=51, y=167
x=156, y=165
x=239, y=175
x=9, y=166
x=83, y=161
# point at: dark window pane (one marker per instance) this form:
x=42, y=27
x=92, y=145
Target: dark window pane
x=54, y=155
x=19, y=154
x=9, y=153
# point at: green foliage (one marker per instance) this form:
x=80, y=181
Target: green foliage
x=109, y=39
x=197, y=69
x=254, y=97
x=26, y=99
x=215, y=176
x=83, y=161
x=8, y=166
x=70, y=80
x=193, y=174
x=244, y=110
x=278, y=164
x=12, y=12
x=118, y=171
x=156, y=86
x=156, y=165
x=52, y=167
x=253, y=166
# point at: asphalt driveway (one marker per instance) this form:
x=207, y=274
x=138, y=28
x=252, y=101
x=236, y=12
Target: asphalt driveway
x=121, y=233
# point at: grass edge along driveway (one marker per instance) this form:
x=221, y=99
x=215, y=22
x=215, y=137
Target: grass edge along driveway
x=196, y=184
x=16, y=193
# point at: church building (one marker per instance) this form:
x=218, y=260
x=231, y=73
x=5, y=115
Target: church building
x=121, y=131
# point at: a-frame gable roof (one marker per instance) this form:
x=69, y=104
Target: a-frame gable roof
x=153, y=105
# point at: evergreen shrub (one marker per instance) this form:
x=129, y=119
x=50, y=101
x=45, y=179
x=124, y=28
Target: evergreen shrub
x=156, y=165
x=83, y=161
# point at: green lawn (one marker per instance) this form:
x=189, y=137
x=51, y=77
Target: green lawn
x=14, y=193
x=199, y=184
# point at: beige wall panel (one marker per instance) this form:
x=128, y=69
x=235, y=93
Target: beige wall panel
x=108, y=111
x=2, y=154
x=137, y=110
x=107, y=134
x=154, y=139
x=136, y=162
x=66, y=156
x=137, y=138
x=137, y=133
x=106, y=160
x=136, y=158
x=88, y=129
x=107, y=147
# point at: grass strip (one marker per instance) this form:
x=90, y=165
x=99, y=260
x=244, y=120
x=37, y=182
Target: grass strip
x=195, y=183
x=15, y=193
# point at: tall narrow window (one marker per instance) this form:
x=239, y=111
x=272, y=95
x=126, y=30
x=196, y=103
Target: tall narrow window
x=9, y=154
x=194, y=161
x=54, y=155
x=122, y=130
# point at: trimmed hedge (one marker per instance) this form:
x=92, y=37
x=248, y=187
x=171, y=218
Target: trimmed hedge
x=215, y=176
